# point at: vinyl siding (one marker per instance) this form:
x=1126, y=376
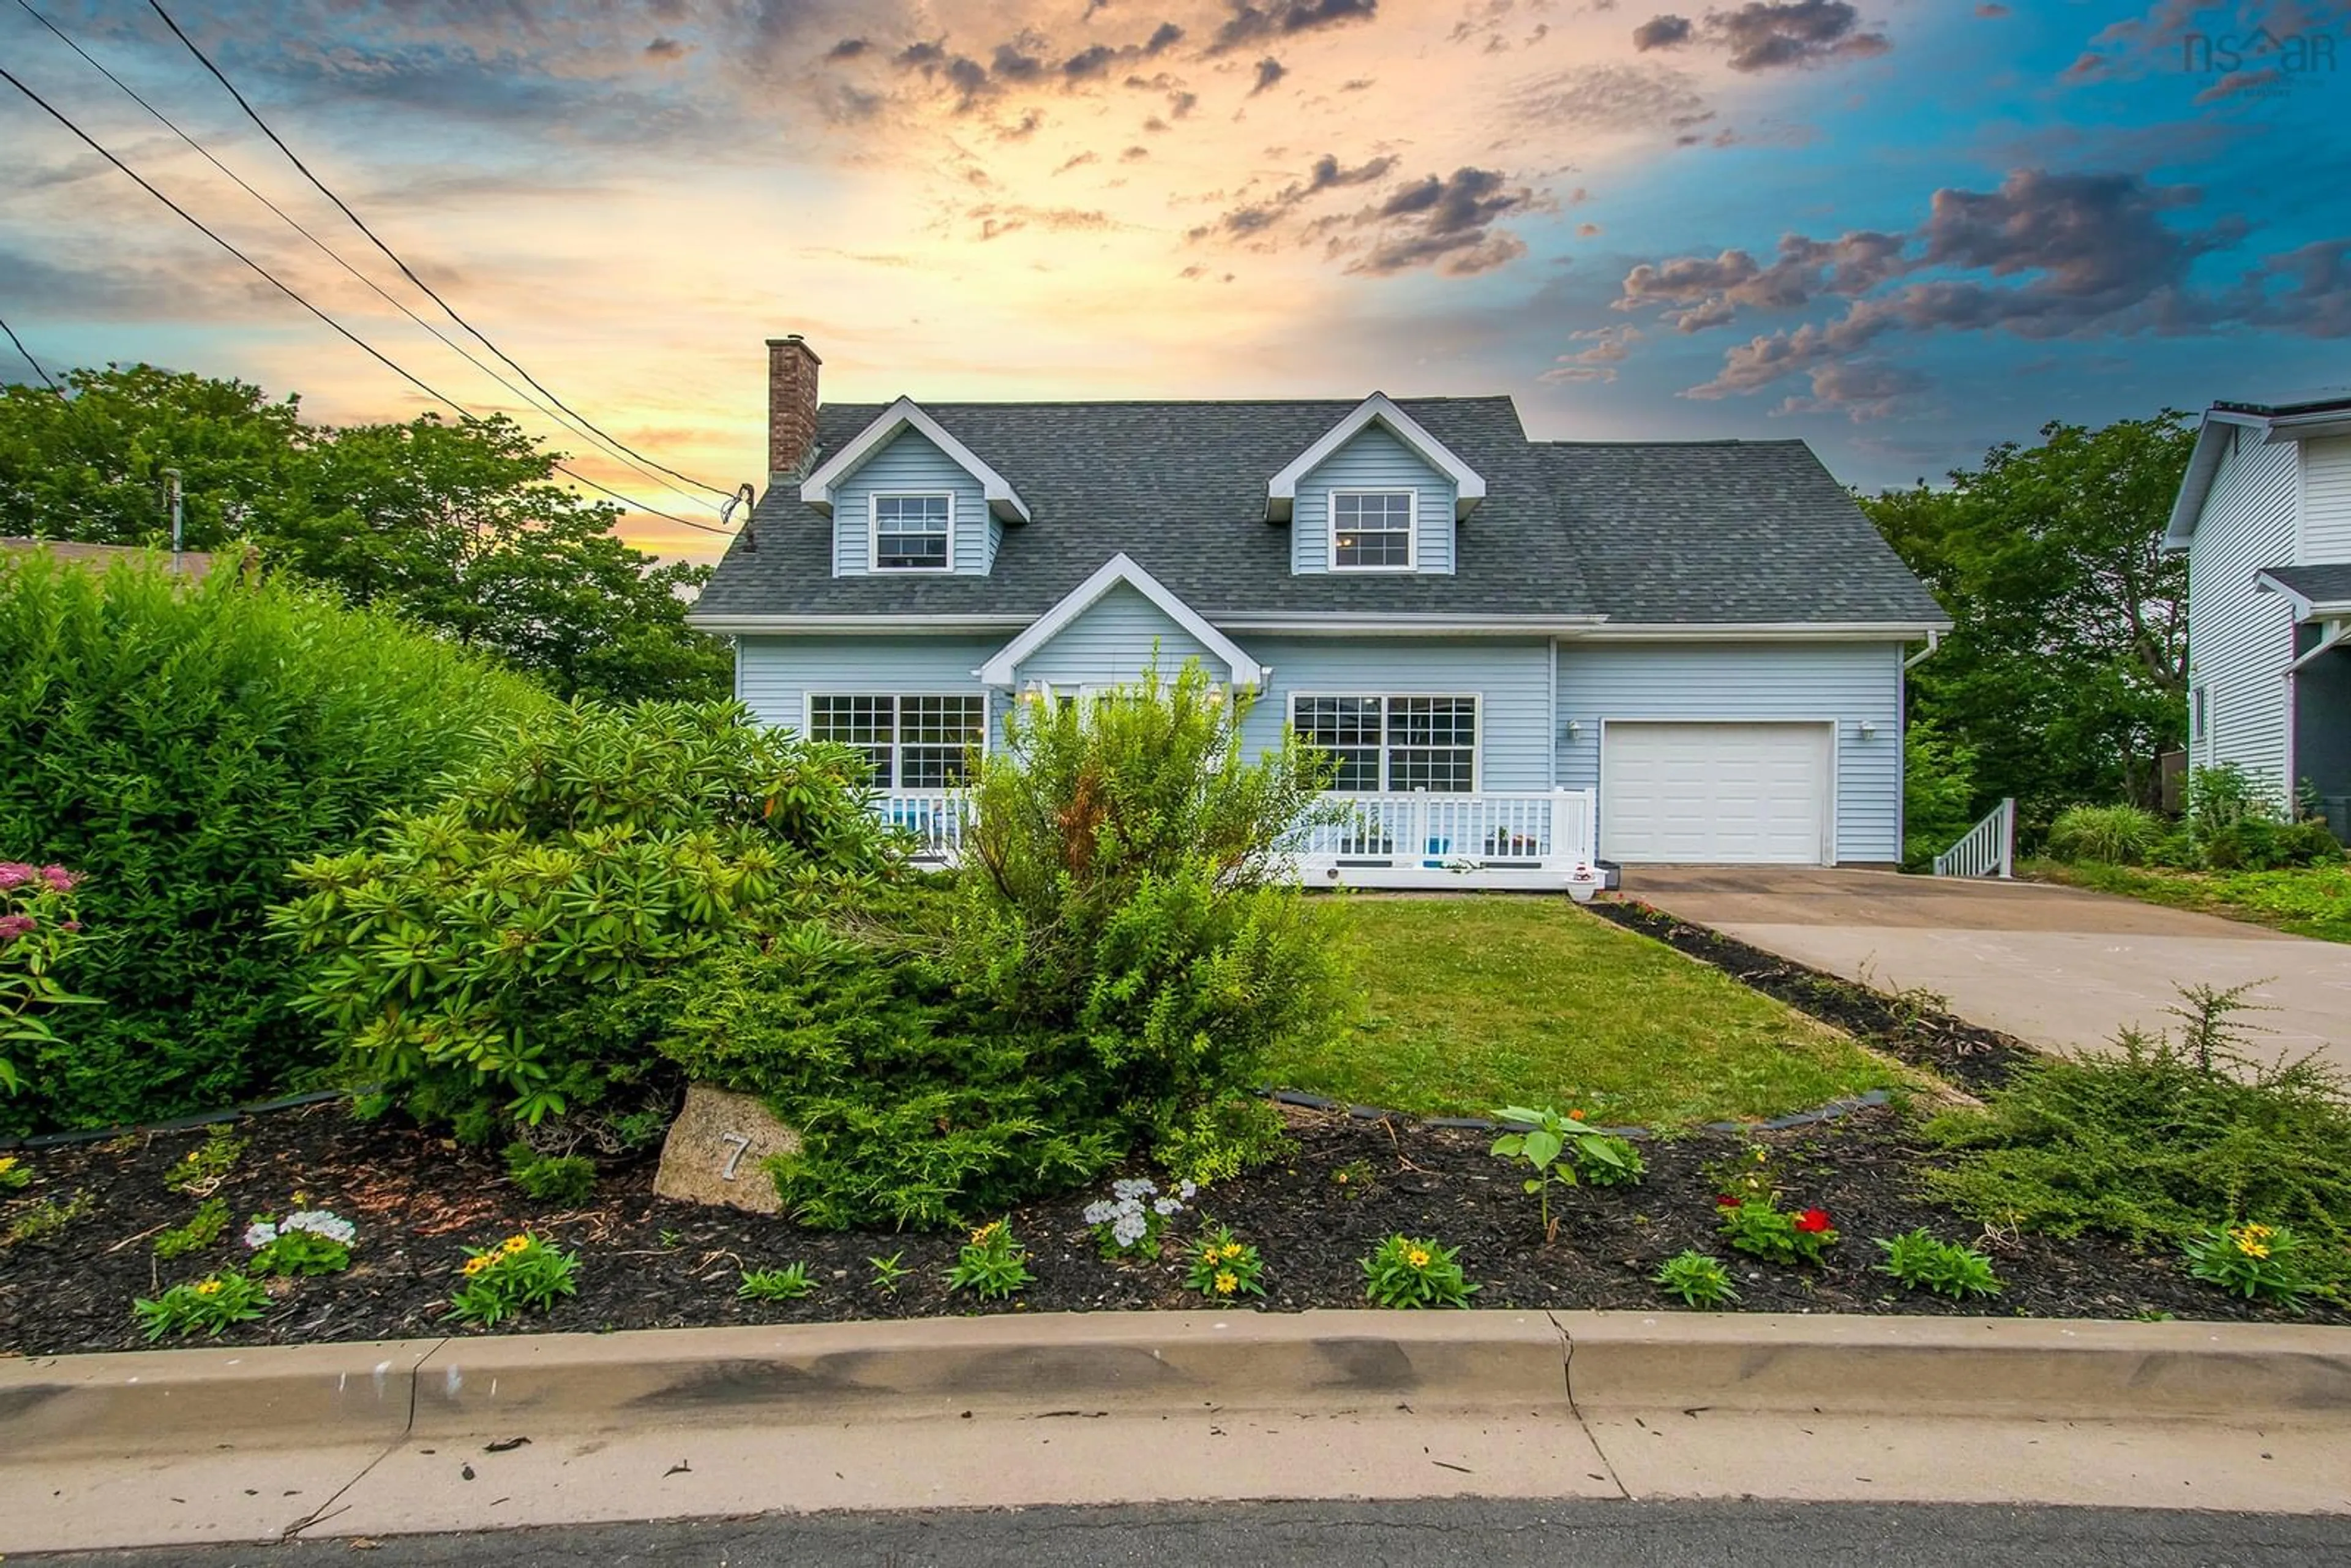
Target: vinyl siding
x=1373, y=460
x=2240, y=640
x=1852, y=683
x=911, y=462
x=774, y=675
x=1511, y=678
x=1113, y=641
x=2326, y=502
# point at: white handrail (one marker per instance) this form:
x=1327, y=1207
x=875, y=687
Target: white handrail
x=1989, y=848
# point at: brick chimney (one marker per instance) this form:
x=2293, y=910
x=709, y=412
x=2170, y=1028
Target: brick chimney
x=791, y=404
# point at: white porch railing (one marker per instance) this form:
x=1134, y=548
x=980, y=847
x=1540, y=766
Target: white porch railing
x=1531, y=840
x=1988, y=850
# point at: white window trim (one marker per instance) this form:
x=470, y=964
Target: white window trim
x=817, y=488
x=1412, y=526
x=2199, y=713
x=807, y=722
x=1468, y=487
x=1477, y=734
x=874, y=532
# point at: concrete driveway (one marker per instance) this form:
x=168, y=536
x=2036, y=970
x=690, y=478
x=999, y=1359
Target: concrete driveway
x=2054, y=966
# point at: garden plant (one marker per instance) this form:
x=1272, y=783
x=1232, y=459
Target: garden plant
x=1403, y=1271
x=1223, y=1266
x=520, y=1274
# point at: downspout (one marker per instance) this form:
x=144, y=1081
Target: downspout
x=1934, y=641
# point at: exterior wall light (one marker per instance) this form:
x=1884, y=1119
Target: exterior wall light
x=1868, y=730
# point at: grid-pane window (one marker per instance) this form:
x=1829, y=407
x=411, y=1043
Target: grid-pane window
x=914, y=743
x=1395, y=743
x=910, y=532
x=1372, y=528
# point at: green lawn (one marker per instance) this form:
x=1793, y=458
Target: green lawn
x=1468, y=1004
x=2314, y=901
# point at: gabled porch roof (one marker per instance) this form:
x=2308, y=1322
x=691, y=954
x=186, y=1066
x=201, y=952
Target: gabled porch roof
x=1001, y=669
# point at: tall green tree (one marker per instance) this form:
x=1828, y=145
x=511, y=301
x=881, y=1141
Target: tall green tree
x=459, y=526
x=2067, y=670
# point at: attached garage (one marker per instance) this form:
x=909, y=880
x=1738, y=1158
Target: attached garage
x=1707, y=793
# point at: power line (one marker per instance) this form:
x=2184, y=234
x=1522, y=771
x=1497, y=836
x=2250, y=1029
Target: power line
x=28, y=357
x=337, y=257
x=271, y=278
x=253, y=115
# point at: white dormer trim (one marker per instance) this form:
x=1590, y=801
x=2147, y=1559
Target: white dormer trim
x=904, y=414
x=1000, y=671
x=1468, y=487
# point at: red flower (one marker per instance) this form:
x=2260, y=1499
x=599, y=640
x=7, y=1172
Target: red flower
x=1813, y=1220
x=1724, y=1200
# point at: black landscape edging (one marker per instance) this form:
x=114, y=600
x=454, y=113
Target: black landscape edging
x=1965, y=1054
x=179, y=1124
x=1828, y=1112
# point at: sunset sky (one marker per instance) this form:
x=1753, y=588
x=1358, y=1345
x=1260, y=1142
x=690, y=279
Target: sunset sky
x=1900, y=229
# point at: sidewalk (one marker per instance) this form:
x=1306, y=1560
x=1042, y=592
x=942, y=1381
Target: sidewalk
x=178, y=1448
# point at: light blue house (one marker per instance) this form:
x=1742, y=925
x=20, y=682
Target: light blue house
x=1527, y=655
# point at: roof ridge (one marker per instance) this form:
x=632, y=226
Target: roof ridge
x=1342, y=402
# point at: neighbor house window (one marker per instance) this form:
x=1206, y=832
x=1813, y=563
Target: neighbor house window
x=1371, y=528
x=2200, y=716
x=1387, y=742
x=913, y=533
x=913, y=742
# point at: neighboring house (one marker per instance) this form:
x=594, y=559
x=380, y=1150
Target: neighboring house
x=1699, y=643
x=2264, y=514
x=193, y=565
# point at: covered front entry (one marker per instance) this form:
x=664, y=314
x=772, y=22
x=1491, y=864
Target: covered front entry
x=1708, y=793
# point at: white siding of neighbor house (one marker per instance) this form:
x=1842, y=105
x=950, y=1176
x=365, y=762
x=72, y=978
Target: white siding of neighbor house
x=1509, y=677
x=774, y=675
x=911, y=462
x=2325, y=501
x=1113, y=641
x=1849, y=683
x=2241, y=639
x=1373, y=460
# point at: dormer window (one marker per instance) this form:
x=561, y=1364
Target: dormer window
x=1372, y=530
x=913, y=532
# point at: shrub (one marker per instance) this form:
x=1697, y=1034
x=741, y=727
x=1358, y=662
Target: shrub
x=992, y=1265
x=2111, y=835
x=1221, y=1140
x=499, y=957
x=1700, y=1280
x=1919, y=1262
x=788, y=1283
x=520, y=1274
x=1223, y=1267
x=550, y=1178
x=38, y=930
x=1605, y=1160
x=1939, y=786
x=203, y=1228
x=181, y=746
x=209, y=1304
x=1404, y=1272
x=2157, y=1140
x=2255, y=1261
x=1124, y=892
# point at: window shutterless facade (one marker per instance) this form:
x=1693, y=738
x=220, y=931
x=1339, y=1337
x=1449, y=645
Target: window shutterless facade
x=1393, y=743
x=913, y=742
x=913, y=532
x=1372, y=530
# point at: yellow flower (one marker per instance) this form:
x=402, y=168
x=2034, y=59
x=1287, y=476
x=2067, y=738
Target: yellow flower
x=7, y=1164
x=475, y=1265
x=301, y=1200
x=979, y=1237
x=1416, y=1256
x=1233, y=1248
x=2252, y=1240
x=514, y=1244
x=1228, y=1282
x=208, y=1287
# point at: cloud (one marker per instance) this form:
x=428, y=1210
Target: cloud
x=1860, y=389
x=1610, y=347
x=848, y=49
x=1268, y=71
x=1326, y=174
x=1662, y=32
x=1077, y=160
x=1251, y=24
x=1097, y=59
x=1770, y=35
x=1013, y=63
x=666, y=49
x=2045, y=255
x=1610, y=98
x=1446, y=223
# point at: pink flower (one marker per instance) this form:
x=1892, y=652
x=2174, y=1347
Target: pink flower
x=70, y=925
x=16, y=873
x=59, y=879
x=14, y=925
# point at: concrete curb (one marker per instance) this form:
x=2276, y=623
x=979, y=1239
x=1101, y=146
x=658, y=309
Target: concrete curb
x=315, y=1396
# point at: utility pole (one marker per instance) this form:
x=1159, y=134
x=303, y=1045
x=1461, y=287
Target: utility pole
x=172, y=486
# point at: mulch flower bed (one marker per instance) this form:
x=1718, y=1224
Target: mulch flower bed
x=647, y=1262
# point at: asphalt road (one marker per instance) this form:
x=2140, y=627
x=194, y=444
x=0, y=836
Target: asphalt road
x=1442, y=1535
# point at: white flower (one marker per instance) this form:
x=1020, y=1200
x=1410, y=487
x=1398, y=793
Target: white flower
x=260, y=1234
x=1128, y=1230
x=1101, y=1213
x=322, y=1222
x=1133, y=1187
x=1167, y=1208
x=1186, y=1191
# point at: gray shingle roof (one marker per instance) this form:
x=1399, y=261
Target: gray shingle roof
x=2323, y=584
x=1713, y=531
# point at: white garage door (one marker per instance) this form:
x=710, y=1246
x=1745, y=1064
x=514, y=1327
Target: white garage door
x=1715, y=793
